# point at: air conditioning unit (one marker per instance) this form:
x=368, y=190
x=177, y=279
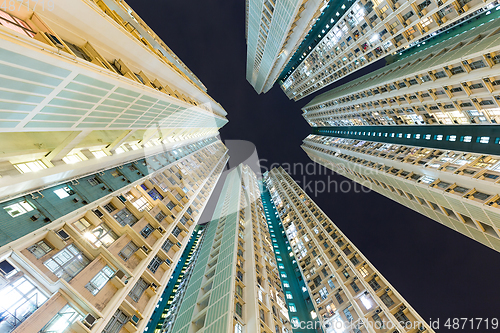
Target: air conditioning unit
x=98, y=213
x=134, y=320
x=161, y=230
x=377, y=311
x=63, y=234
x=387, y=290
x=89, y=321
x=153, y=286
x=145, y=249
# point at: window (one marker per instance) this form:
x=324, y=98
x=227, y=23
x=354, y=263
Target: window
x=128, y=251
x=401, y=317
x=387, y=300
x=125, y=217
x=63, y=319
x=98, y=153
x=238, y=328
x=101, y=235
x=339, y=298
x=160, y=216
x=348, y=315
x=346, y=273
x=355, y=287
x=291, y=307
x=21, y=298
x=109, y=207
x=167, y=245
x=93, y=181
x=330, y=283
x=116, y=322
x=288, y=295
x=99, y=281
x=147, y=230
x=13, y=23
x=154, y=264
x=138, y=290
x=176, y=231
x=19, y=208
x=67, y=263
x=238, y=308
x=64, y=192
x=374, y=284
x=323, y=292
x=39, y=249
x=286, y=284
x=239, y=291
x=142, y=204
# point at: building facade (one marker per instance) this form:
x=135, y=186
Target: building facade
x=456, y=187
x=102, y=266
x=364, y=31
x=453, y=79
x=274, y=30
x=348, y=293
x=76, y=93
x=234, y=286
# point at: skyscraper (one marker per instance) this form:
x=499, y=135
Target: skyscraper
x=452, y=79
x=239, y=285
x=108, y=156
x=348, y=293
x=449, y=171
x=362, y=32
x=235, y=284
x=274, y=30
x=81, y=91
x=102, y=264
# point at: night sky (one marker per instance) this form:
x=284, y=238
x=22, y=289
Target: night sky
x=440, y=272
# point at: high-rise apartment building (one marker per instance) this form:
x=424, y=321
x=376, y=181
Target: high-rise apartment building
x=274, y=30
x=108, y=156
x=364, y=31
x=452, y=79
x=102, y=263
x=235, y=286
x=348, y=293
x=376, y=130
x=83, y=81
x=455, y=186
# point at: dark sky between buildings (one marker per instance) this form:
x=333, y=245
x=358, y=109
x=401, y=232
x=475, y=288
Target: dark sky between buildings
x=440, y=272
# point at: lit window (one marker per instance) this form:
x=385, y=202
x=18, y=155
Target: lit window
x=427, y=180
x=427, y=136
x=62, y=320
x=286, y=284
x=292, y=307
x=452, y=138
x=363, y=271
x=484, y=139
x=19, y=295
x=467, y=138
x=417, y=136
x=30, y=166
x=289, y=295
x=121, y=149
x=73, y=158
x=439, y=137
x=19, y=208
x=367, y=302
x=64, y=192
x=98, y=153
